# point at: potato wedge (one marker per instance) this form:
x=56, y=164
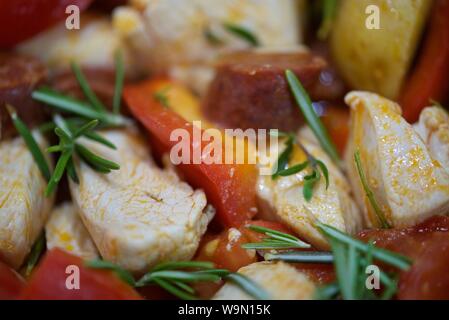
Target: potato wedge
x=378, y=60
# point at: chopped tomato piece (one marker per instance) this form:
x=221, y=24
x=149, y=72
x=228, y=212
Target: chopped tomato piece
x=22, y=19
x=429, y=78
x=230, y=188
x=225, y=250
x=11, y=283
x=427, y=244
x=56, y=278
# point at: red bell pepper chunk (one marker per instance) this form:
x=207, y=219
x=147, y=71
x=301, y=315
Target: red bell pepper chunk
x=429, y=80
x=230, y=188
x=51, y=278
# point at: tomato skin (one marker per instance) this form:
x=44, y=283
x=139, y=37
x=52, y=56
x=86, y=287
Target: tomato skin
x=48, y=281
x=28, y=18
x=11, y=283
x=429, y=79
x=428, y=279
x=230, y=188
x=427, y=244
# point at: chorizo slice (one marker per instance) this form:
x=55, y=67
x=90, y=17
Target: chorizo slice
x=250, y=89
x=19, y=76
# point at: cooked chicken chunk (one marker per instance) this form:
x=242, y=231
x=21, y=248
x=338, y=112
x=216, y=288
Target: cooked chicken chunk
x=433, y=128
x=332, y=206
x=139, y=215
x=406, y=177
x=23, y=207
x=65, y=230
x=184, y=37
x=280, y=280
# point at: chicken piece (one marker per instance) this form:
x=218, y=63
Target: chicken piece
x=94, y=45
x=433, y=128
x=408, y=182
x=139, y=215
x=23, y=207
x=280, y=280
x=333, y=206
x=183, y=38
x=65, y=230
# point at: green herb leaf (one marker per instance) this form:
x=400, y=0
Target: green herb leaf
x=85, y=128
x=369, y=194
x=329, y=11
x=71, y=171
x=31, y=143
x=100, y=139
x=394, y=259
x=275, y=240
x=309, y=184
x=293, y=170
x=180, y=293
x=35, y=254
x=284, y=157
x=103, y=264
x=243, y=33
x=68, y=104
x=315, y=124
x=119, y=80
x=84, y=84
x=95, y=160
x=184, y=265
x=301, y=257
x=59, y=172
x=325, y=171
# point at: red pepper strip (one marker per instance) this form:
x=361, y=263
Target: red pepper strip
x=230, y=188
x=430, y=80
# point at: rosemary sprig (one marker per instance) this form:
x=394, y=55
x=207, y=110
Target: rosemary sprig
x=123, y=274
x=169, y=277
x=328, y=14
x=369, y=193
x=315, y=124
x=31, y=143
x=248, y=286
x=64, y=103
x=275, y=240
x=301, y=257
x=350, y=257
x=67, y=147
x=88, y=92
x=175, y=277
x=242, y=33
x=119, y=80
x=394, y=259
x=35, y=254
x=318, y=168
x=285, y=156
